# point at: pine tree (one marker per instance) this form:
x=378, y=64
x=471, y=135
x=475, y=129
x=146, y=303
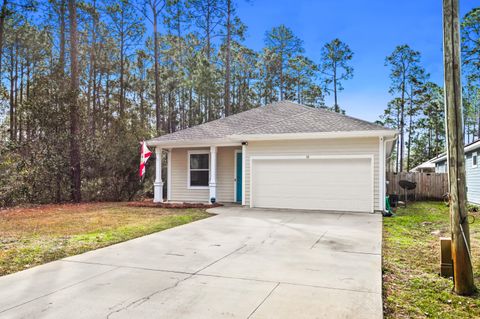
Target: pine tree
x=127, y=29
x=301, y=81
x=336, y=68
x=282, y=45
x=470, y=28
x=83, y=82
x=75, y=156
x=405, y=67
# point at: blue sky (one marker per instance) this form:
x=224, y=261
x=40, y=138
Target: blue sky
x=371, y=28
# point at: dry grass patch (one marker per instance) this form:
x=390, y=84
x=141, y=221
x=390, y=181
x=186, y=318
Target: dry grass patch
x=33, y=236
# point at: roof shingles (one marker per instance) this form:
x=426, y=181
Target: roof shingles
x=277, y=118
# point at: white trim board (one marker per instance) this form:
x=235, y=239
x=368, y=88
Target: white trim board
x=235, y=175
x=312, y=135
x=306, y=157
x=237, y=139
x=188, y=168
x=224, y=142
x=244, y=165
x=169, y=175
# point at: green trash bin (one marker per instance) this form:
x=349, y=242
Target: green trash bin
x=388, y=210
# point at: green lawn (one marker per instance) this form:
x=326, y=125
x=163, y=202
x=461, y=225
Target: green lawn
x=33, y=236
x=412, y=287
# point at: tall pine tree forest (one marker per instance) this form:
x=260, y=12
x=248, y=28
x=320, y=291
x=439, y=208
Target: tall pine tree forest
x=417, y=106
x=82, y=82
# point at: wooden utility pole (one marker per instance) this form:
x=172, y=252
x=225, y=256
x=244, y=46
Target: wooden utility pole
x=462, y=264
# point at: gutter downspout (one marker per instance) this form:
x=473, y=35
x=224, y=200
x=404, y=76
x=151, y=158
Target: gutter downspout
x=384, y=169
x=390, y=140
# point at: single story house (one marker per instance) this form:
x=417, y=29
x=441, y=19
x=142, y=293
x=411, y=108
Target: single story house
x=282, y=155
x=472, y=172
x=425, y=167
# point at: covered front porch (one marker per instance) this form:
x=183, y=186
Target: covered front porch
x=201, y=173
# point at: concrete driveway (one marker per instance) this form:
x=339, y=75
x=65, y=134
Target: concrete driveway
x=242, y=263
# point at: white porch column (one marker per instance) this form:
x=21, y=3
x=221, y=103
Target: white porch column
x=244, y=173
x=169, y=175
x=158, y=185
x=213, y=173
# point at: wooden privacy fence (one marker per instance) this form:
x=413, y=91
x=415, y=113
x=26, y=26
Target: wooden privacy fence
x=430, y=186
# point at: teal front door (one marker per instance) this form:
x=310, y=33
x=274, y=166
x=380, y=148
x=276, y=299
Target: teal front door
x=238, y=177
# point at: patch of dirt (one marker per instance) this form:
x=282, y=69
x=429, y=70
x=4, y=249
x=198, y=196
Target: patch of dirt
x=45, y=209
x=150, y=203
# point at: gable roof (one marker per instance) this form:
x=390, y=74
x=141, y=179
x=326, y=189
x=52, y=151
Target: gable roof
x=283, y=117
x=425, y=165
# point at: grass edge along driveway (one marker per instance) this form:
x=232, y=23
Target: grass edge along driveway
x=34, y=236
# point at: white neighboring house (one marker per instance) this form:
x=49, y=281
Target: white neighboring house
x=425, y=167
x=282, y=155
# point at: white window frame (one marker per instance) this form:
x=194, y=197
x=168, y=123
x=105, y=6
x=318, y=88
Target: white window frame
x=474, y=165
x=189, y=169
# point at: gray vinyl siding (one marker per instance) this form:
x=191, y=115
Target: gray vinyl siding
x=225, y=176
x=338, y=146
x=473, y=179
x=472, y=176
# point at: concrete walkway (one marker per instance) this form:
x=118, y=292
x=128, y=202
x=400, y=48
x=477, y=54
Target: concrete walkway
x=242, y=263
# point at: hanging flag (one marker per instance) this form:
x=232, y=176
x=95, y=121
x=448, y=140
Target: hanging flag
x=144, y=156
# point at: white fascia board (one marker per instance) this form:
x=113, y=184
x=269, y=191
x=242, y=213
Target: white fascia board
x=472, y=147
x=425, y=165
x=237, y=139
x=439, y=159
x=315, y=135
x=195, y=143
x=467, y=149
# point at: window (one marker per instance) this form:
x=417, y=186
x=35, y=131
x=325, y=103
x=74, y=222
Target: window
x=474, y=159
x=199, y=169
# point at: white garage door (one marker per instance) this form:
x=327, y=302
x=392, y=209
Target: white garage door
x=341, y=184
